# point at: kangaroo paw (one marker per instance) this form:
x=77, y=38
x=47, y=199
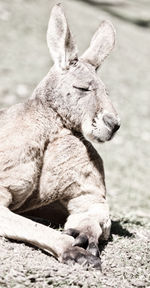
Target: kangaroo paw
x=79, y=255
x=82, y=240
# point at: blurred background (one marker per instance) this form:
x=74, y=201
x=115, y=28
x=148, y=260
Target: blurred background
x=24, y=61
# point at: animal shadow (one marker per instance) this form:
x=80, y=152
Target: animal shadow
x=116, y=229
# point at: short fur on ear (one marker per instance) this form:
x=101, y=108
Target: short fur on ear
x=101, y=44
x=59, y=39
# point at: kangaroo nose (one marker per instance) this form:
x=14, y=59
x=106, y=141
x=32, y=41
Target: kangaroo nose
x=111, y=122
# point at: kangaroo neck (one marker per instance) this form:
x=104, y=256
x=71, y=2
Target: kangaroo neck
x=48, y=93
x=46, y=117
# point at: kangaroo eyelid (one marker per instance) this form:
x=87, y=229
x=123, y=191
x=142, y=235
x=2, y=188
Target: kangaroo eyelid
x=86, y=89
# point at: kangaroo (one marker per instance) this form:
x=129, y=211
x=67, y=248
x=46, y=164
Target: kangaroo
x=48, y=149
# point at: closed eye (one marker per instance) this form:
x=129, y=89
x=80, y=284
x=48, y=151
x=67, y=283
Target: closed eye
x=107, y=91
x=84, y=89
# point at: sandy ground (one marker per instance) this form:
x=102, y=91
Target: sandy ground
x=24, y=61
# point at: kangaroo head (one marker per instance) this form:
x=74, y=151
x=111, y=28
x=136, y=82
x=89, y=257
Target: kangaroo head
x=77, y=93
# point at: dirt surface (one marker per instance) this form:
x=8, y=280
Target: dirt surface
x=125, y=262
x=24, y=62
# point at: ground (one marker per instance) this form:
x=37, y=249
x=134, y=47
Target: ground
x=24, y=62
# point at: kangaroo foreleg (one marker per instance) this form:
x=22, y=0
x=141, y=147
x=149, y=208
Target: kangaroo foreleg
x=88, y=222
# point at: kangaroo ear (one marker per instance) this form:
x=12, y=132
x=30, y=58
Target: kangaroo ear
x=59, y=39
x=101, y=44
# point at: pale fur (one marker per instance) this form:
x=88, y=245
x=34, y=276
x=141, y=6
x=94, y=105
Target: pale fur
x=45, y=150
